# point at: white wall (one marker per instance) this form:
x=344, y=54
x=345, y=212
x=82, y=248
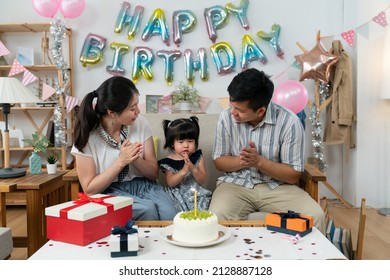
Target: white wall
x=372, y=155
x=364, y=174
x=99, y=18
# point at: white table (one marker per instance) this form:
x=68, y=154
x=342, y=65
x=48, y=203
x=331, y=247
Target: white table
x=244, y=243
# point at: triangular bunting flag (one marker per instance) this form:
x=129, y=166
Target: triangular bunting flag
x=3, y=49
x=349, y=37
x=224, y=102
x=296, y=65
x=70, y=102
x=327, y=41
x=380, y=19
x=47, y=91
x=16, y=68
x=203, y=102
x=28, y=78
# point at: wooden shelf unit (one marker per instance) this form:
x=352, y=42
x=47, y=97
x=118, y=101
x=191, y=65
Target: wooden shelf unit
x=48, y=112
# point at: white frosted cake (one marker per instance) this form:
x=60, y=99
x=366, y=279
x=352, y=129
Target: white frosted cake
x=198, y=229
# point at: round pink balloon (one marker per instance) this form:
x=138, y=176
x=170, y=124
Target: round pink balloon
x=45, y=8
x=72, y=8
x=292, y=95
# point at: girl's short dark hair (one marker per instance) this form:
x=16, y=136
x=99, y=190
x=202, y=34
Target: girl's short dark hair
x=180, y=129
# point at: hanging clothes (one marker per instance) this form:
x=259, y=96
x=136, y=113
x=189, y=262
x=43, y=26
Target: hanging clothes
x=340, y=112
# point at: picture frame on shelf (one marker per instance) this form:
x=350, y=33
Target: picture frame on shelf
x=164, y=106
x=152, y=102
x=25, y=55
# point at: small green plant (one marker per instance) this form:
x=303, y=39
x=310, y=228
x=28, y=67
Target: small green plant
x=38, y=142
x=184, y=92
x=53, y=157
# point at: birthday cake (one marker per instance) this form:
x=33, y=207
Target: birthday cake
x=195, y=228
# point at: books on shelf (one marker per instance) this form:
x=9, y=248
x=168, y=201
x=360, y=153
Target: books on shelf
x=330, y=230
x=338, y=235
x=346, y=243
x=342, y=241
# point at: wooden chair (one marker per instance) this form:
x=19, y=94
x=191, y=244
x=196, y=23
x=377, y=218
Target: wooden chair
x=358, y=251
x=324, y=206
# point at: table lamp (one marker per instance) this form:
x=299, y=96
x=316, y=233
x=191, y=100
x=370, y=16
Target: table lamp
x=12, y=91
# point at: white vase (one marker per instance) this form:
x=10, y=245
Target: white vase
x=51, y=168
x=184, y=107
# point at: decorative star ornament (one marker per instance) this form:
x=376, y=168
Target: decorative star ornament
x=316, y=64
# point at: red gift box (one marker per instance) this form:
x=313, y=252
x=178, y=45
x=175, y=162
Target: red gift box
x=87, y=219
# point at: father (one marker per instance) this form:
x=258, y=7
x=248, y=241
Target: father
x=260, y=147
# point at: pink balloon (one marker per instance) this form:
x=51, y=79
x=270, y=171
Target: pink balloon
x=72, y=8
x=45, y=8
x=292, y=95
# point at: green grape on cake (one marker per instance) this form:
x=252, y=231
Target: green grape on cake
x=200, y=214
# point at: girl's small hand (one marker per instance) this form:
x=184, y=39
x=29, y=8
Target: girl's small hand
x=185, y=168
x=188, y=163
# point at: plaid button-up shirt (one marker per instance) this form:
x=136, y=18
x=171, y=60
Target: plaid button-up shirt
x=278, y=137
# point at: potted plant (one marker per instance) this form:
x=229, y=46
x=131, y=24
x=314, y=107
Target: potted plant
x=185, y=96
x=52, y=160
x=39, y=144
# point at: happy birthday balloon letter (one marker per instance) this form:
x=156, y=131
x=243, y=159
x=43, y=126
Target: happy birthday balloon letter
x=273, y=39
x=184, y=21
x=240, y=12
x=92, y=51
x=250, y=51
x=142, y=63
x=224, y=57
x=119, y=50
x=191, y=65
x=157, y=25
x=316, y=63
x=169, y=56
x=216, y=17
x=125, y=18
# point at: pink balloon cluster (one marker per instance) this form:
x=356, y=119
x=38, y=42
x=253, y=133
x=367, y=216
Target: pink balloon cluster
x=68, y=8
x=291, y=95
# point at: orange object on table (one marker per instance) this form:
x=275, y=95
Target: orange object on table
x=289, y=222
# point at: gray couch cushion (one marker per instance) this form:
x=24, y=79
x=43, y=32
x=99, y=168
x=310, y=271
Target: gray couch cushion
x=6, y=244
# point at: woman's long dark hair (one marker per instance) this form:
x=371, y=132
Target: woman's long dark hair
x=113, y=94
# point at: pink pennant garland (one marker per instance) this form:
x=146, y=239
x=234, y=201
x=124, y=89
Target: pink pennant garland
x=349, y=36
x=3, y=49
x=70, y=102
x=47, y=91
x=28, y=78
x=380, y=19
x=203, y=102
x=223, y=102
x=16, y=68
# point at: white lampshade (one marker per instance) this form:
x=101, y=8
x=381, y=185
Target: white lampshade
x=13, y=91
